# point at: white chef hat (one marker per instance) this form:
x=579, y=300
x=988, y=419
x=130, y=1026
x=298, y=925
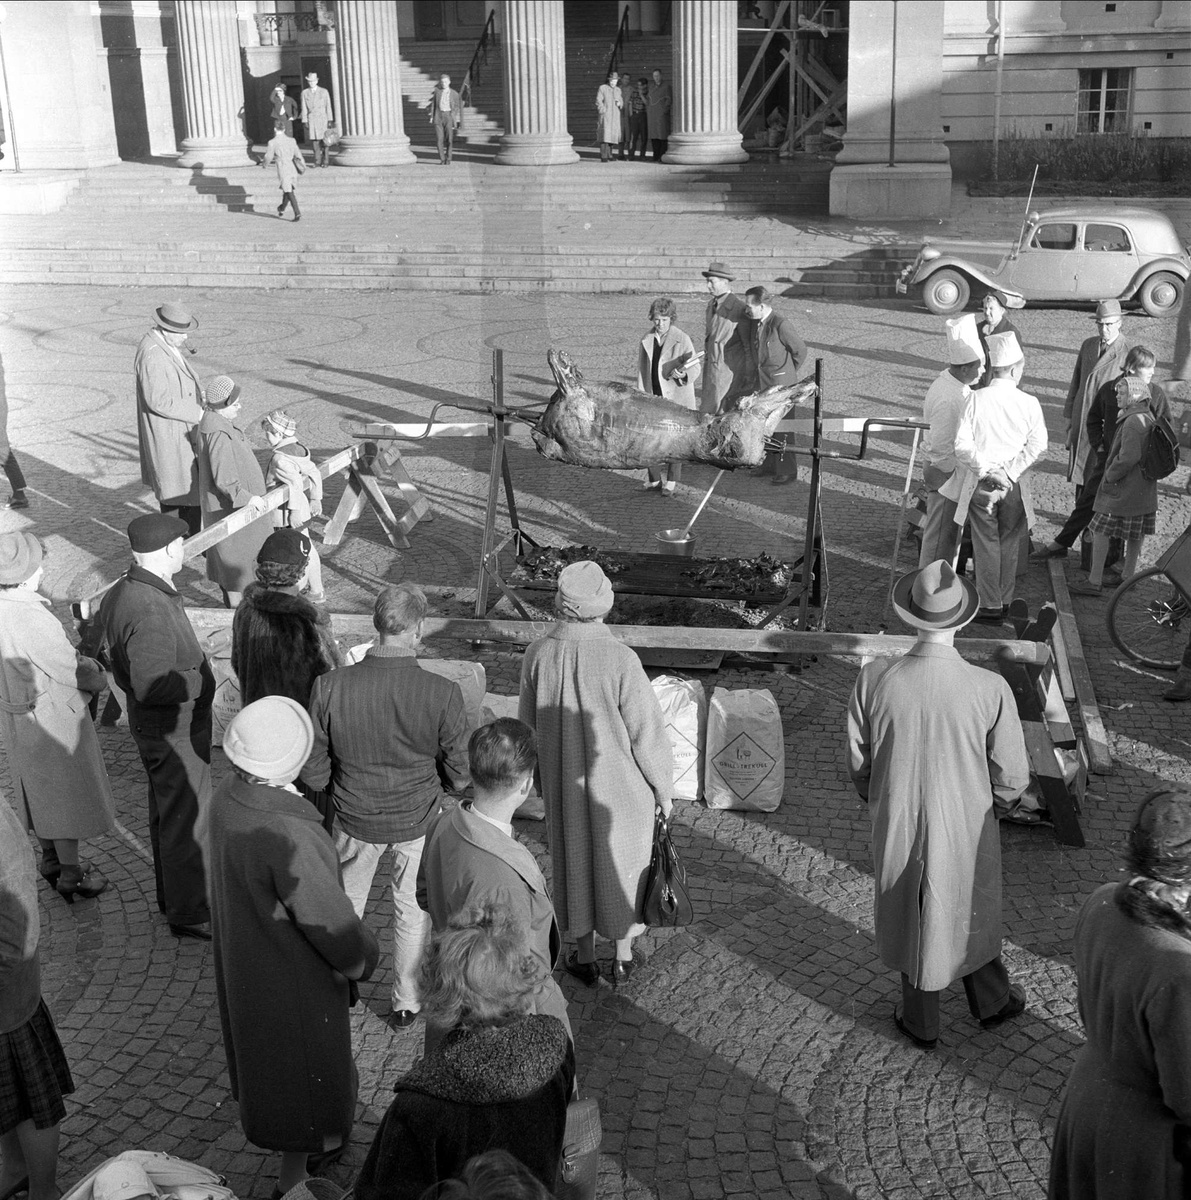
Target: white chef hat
x=963, y=340
x=1004, y=350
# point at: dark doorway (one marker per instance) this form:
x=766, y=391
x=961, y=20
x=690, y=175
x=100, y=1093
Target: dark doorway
x=591, y=18
x=430, y=20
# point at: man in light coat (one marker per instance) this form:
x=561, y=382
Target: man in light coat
x=1101, y=358
x=936, y=747
x=446, y=115
x=942, y=409
x=723, y=349
x=316, y=116
x=169, y=406
x=1000, y=436
x=473, y=859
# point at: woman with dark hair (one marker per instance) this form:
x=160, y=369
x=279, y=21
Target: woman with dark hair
x=1124, y=1129
x=500, y=1080
x=230, y=479
x=667, y=366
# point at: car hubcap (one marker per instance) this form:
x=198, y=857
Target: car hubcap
x=1164, y=295
x=946, y=293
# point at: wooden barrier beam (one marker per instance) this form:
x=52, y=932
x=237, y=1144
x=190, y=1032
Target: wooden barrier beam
x=1096, y=736
x=755, y=641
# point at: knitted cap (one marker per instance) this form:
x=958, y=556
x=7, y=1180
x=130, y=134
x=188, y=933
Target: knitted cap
x=1159, y=844
x=279, y=421
x=122, y=1179
x=269, y=738
x=221, y=391
x=584, y=590
x=20, y=556
x=1135, y=388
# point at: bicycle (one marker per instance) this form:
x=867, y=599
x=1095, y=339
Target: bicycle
x=1149, y=615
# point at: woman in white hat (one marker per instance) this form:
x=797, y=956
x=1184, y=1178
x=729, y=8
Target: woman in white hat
x=286, y=942
x=230, y=478
x=605, y=764
x=60, y=785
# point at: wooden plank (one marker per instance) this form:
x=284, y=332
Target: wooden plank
x=1062, y=666
x=757, y=641
x=350, y=506
x=1099, y=755
x=384, y=514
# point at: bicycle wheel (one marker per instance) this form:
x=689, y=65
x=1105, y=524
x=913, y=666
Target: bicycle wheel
x=1149, y=620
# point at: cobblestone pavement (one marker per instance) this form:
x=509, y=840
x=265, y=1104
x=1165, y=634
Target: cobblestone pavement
x=753, y=1054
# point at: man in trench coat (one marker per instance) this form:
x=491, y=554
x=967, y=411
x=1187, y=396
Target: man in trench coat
x=724, y=354
x=169, y=406
x=936, y=748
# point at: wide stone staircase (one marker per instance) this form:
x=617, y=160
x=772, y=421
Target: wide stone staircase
x=421, y=65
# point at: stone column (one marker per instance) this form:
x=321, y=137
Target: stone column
x=369, y=111
x=893, y=75
x=535, y=86
x=704, y=127
x=212, y=84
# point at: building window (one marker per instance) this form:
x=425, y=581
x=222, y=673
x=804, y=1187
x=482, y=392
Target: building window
x=1104, y=95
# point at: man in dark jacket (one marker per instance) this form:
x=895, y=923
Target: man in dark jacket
x=158, y=662
x=386, y=735
x=774, y=354
x=473, y=859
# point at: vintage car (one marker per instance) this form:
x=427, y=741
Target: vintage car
x=1086, y=252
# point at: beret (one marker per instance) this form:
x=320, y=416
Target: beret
x=152, y=531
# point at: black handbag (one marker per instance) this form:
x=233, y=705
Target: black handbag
x=666, y=902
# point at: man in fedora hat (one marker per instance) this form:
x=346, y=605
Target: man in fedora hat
x=1001, y=434
x=723, y=351
x=169, y=405
x=158, y=663
x=1101, y=358
x=936, y=748
x=942, y=409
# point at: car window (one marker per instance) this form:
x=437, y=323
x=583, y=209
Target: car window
x=1055, y=236
x=1111, y=238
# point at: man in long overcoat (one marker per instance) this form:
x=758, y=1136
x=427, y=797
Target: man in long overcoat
x=473, y=859
x=316, y=116
x=723, y=349
x=658, y=102
x=169, y=405
x=1101, y=358
x=936, y=748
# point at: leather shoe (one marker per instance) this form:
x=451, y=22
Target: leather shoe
x=402, y=1018
x=588, y=973
x=1045, y=552
x=622, y=972
x=21, y=1185
x=989, y=616
x=1085, y=588
x=1181, y=690
x=327, y=1158
x=1013, y=1007
x=201, y=931
x=921, y=1043
x=76, y=882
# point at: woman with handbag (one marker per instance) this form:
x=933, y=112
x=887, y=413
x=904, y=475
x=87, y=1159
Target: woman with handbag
x=500, y=1080
x=605, y=765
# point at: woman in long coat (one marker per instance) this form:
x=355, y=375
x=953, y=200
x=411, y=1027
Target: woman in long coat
x=286, y=942
x=609, y=103
x=230, y=478
x=60, y=786
x=605, y=766
x=667, y=367
x=1124, y=1129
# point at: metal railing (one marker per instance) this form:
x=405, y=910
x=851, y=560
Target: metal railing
x=282, y=29
x=486, y=42
x=622, y=36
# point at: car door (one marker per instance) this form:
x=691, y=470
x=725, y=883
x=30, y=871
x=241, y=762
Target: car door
x=1107, y=261
x=1045, y=267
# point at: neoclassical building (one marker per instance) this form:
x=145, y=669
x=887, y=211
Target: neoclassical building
x=87, y=82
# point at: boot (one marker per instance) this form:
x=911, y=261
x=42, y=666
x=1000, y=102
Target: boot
x=1181, y=690
x=50, y=868
x=81, y=882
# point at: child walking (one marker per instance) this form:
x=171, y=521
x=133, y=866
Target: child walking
x=287, y=154
x=292, y=466
x=1127, y=502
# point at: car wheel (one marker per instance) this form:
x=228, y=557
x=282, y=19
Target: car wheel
x=1162, y=293
x=946, y=292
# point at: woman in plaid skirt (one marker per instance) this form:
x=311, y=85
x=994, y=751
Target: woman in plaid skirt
x=1127, y=501
x=34, y=1075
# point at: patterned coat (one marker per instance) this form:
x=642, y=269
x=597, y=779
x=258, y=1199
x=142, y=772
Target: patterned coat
x=1092, y=371
x=724, y=358
x=604, y=761
x=677, y=349
x=169, y=405
x=934, y=744
x=229, y=476
x=60, y=785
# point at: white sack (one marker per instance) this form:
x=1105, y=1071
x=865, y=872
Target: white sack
x=746, y=758
x=684, y=705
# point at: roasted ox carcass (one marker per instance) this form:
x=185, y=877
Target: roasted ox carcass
x=614, y=426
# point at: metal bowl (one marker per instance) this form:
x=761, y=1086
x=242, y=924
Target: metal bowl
x=671, y=541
